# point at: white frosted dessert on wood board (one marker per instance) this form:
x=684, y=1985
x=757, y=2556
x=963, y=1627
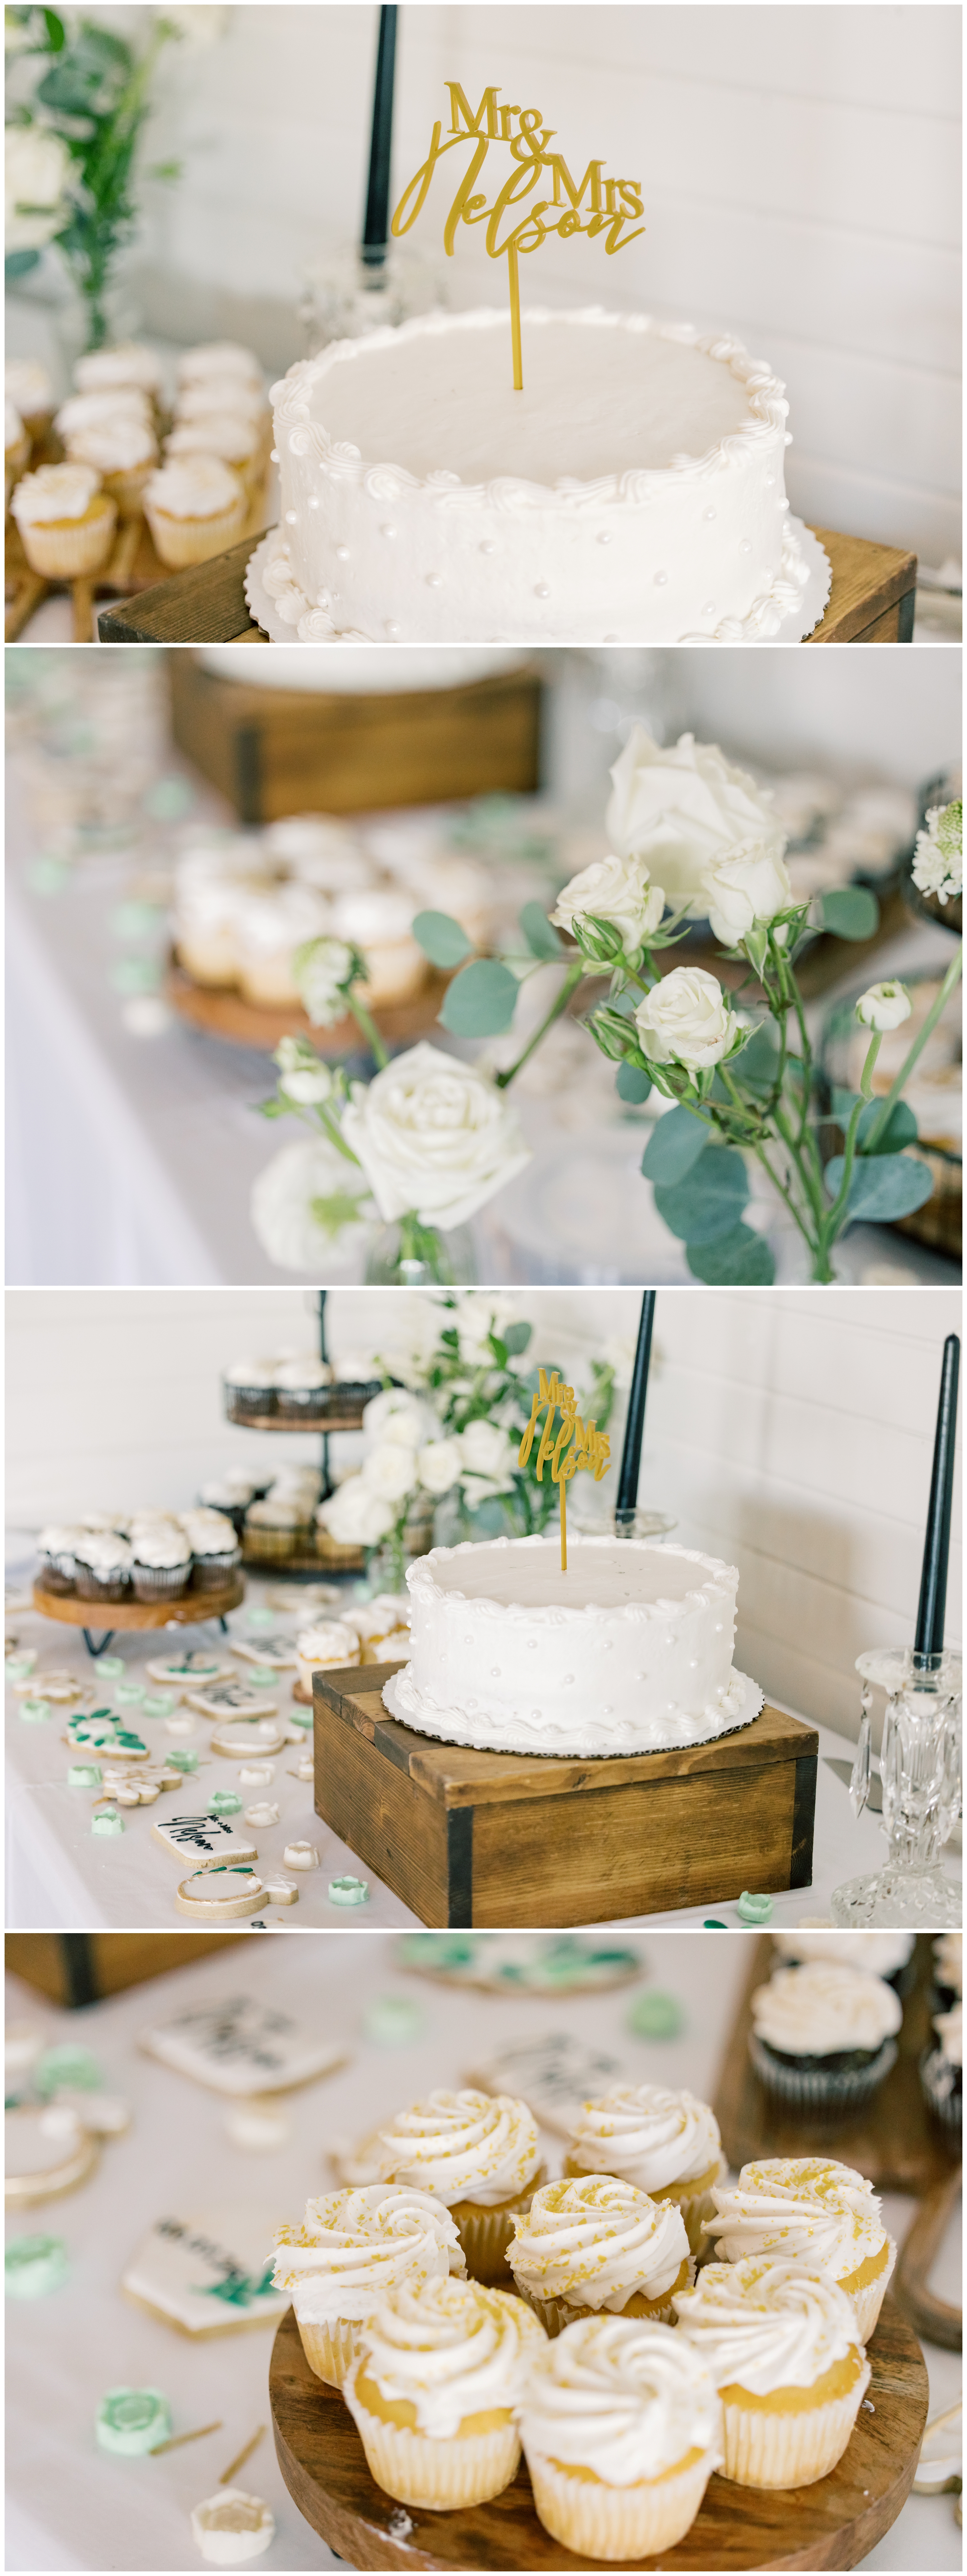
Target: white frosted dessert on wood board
x=629, y=1651
x=631, y=492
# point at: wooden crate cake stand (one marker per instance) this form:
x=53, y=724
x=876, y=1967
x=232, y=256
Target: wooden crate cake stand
x=184, y=1612
x=500, y=1840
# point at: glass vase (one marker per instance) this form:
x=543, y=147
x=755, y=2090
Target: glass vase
x=411, y=1255
x=920, y=1774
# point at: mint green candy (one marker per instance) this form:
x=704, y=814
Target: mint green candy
x=655, y=2016
x=18, y=1667
x=84, y=1775
x=182, y=1761
x=261, y=1618
x=35, y=1712
x=296, y=1716
x=128, y=1694
x=224, y=1802
x=133, y=920
x=262, y=1677
x=348, y=1891
x=135, y=975
x=107, y=1820
x=158, y=1704
x=67, y=2065
x=392, y=2021
x=35, y=2265
x=131, y=2421
x=111, y=1664
x=754, y=1909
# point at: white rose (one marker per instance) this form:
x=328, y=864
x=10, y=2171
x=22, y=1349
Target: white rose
x=355, y=1516
x=617, y=890
x=439, y=1465
x=321, y=970
x=394, y=1416
x=476, y=1317
x=938, y=862
x=37, y=169
x=486, y=1451
x=389, y=1471
x=433, y=1135
x=885, y=1006
x=685, y=1019
x=304, y=1077
x=681, y=808
x=287, y=1221
x=750, y=883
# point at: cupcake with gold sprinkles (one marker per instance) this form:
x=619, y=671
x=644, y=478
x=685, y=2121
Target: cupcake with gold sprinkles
x=435, y=2389
x=353, y=2248
x=812, y=2212
x=592, y=2243
x=478, y=2152
x=782, y=2347
x=621, y=2429
x=666, y=2143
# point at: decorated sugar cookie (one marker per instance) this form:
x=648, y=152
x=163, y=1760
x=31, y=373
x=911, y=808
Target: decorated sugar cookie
x=190, y=1669
x=241, y=2047
x=279, y=1651
x=208, y=2275
x=220, y=1895
x=249, y=1737
x=206, y=1840
x=232, y=1699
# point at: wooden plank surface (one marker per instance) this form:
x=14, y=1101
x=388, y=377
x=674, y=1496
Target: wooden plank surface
x=868, y=582
x=833, y=2524
x=278, y=752
x=643, y=1848
x=893, y=2140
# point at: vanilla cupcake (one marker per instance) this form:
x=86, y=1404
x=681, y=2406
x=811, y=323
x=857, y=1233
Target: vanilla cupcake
x=479, y=2153
x=620, y=2424
x=823, y=2035
x=382, y=1627
x=89, y=411
x=320, y=850
x=324, y=1647
x=879, y=1954
x=219, y=358
x=225, y=393
x=270, y=924
x=780, y=2343
x=434, y=2390
x=229, y=435
x=195, y=507
x=29, y=388
x=129, y=363
x=66, y=522
x=668, y=2144
x=379, y=921
x=592, y=2242
x=814, y=2213
x=124, y=451
x=352, y=2249
x=16, y=446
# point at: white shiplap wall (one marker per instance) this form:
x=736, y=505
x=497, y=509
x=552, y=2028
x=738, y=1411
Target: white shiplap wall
x=789, y=1431
x=801, y=179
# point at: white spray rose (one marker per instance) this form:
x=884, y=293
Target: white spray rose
x=884, y=1006
x=938, y=863
x=37, y=169
x=616, y=890
x=396, y=1417
x=486, y=1451
x=476, y=1317
x=748, y=884
x=681, y=808
x=355, y=1516
x=321, y=969
x=309, y=1206
x=685, y=1020
x=433, y=1135
x=390, y=1471
x=439, y=1465
x=304, y=1077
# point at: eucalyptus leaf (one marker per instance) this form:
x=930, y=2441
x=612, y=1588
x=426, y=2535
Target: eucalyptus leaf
x=481, y=1001
x=632, y=1083
x=515, y=1338
x=759, y=1060
x=710, y=1199
x=675, y=1145
x=540, y=934
x=737, y=1260
x=441, y=938
x=851, y=911
x=17, y=262
x=883, y=1186
x=900, y=1129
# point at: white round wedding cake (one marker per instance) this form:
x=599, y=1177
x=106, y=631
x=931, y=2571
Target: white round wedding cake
x=629, y=1651
x=632, y=492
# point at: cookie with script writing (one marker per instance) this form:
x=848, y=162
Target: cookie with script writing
x=210, y=2274
x=203, y=1841
x=241, y=2046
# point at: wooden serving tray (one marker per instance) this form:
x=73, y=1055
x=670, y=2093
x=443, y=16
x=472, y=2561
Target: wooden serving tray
x=834, y=2524
x=513, y=1840
x=871, y=602
x=224, y=1013
x=133, y=568
x=893, y=2141
x=182, y=1613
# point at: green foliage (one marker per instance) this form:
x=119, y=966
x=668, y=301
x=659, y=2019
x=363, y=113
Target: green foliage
x=900, y=1129
x=441, y=938
x=710, y=1198
x=515, y=1338
x=740, y=1259
x=540, y=934
x=851, y=911
x=632, y=1083
x=674, y=1146
x=94, y=95
x=481, y=1001
x=883, y=1186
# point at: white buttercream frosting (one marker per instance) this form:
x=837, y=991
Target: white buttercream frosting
x=226, y=434
x=13, y=428
x=209, y=1533
x=463, y=2146
x=60, y=1538
x=115, y=446
x=647, y=2135
x=620, y=2396
x=880, y=1953
x=193, y=487
x=596, y=2240
x=823, y=2007
x=162, y=1547
x=28, y=385
x=226, y=393
x=948, y=1953
x=120, y=402
x=328, y=1641
x=451, y=2350
x=354, y=2246
x=799, y=2209
x=55, y=492
x=130, y=363
x=949, y=2027
x=763, y=2326
x=103, y=1551
x=219, y=358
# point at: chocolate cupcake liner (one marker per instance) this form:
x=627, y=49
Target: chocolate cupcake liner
x=302, y=1408
x=160, y=1582
x=57, y=1574
x=242, y=1402
x=938, y=2078
x=91, y=1587
x=832, y=2094
x=211, y=1573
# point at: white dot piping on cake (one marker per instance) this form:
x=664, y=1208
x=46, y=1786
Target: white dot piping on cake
x=342, y=554
x=273, y=456
x=387, y=531
x=487, y=546
x=604, y=536
x=542, y=590
x=745, y=546
x=660, y=580
x=710, y=514
x=292, y=518
x=434, y=581
x=390, y=626
x=314, y=501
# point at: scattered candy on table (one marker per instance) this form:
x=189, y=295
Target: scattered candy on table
x=232, y=2526
x=754, y=1909
x=67, y=2064
x=302, y=1856
x=392, y=2021
x=347, y=1891
x=34, y=2266
x=655, y=2015
x=131, y=2421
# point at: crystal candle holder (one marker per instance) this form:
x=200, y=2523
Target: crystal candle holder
x=345, y=299
x=920, y=1774
x=640, y=1523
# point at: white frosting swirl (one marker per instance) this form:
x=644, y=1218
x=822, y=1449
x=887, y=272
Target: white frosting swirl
x=219, y=358
x=464, y=2146
x=948, y=1953
x=355, y=2246
x=763, y=2326
x=330, y=1641
x=209, y=1533
x=621, y=2396
x=647, y=2135
x=597, y=2240
x=130, y=363
x=949, y=2027
x=451, y=2349
x=55, y=492
x=121, y=402
x=13, y=429
x=226, y=434
x=161, y=1547
x=103, y=1551
x=59, y=1538
x=816, y=2010
x=227, y=393
x=800, y=2209
x=879, y=1953
x=193, y=487
x=28, y=385
x=115, y=446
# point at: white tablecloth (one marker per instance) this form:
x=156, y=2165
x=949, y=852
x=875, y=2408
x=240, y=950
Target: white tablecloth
x=70, y=2506
x=59, y=1875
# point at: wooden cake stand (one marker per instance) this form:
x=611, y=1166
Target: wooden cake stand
x=224, y=1013
x=833, y=2524
x=186, y=1612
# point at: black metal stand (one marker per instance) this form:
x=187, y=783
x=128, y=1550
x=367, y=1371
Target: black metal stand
x=95, y=1651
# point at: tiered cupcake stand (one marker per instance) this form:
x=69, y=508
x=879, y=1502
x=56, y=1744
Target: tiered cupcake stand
x=185, y=1612
x=345, y=1413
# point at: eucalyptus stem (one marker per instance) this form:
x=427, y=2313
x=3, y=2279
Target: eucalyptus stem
x=886, y=1106
x=571, y=979
x=838, y=1208
x=335, y=1134
x=368, y=1030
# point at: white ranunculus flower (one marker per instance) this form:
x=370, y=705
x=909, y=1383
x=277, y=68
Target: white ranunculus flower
x=747, y=884
x=439, y=1465
x=390, y=1471
x=398, y=1417
x=304, y=1077
x=321, y=969
x=433, y=1135
x=685, y=1019
x=289, y=1228
x=884, y=1006
x=486, y=1451
x=681, y=808
x=938, y=862
x=355, y=1516
x=37, y=169
x=616, y=890
x=476, y=1317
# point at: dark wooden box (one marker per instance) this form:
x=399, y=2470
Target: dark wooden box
x=77, y=1968
x=503, y=1840
x=281, y=751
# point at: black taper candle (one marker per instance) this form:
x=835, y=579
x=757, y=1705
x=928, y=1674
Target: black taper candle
x=376, y=226
x=936, y=1546
x=635, y=1425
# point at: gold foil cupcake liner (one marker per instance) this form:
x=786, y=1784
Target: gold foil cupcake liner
x=868, y=2300
x=603, y=2522
x=767, y=2447
x=437, y=2475
x=66, y=549
x=330, y=2349
x=181, y=542
x=555, y=2314
x=486, y=2233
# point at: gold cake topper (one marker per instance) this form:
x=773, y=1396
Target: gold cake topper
x=612, y=203
x=577, y=1444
